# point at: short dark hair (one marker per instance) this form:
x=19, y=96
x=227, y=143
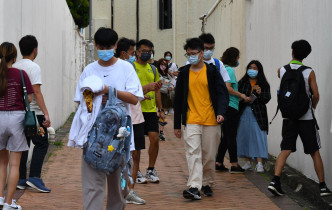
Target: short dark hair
x=145, y=42
x=194, y=44
x=207, y=38
x=229, y=57
x=124, y=45
x=301, y=49
x=167, y=52
x=27, y=44
x=105, y=37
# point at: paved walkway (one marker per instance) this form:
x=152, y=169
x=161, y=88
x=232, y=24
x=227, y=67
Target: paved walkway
x=62, y=174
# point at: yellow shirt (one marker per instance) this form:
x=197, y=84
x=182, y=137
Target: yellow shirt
x=146, y=76
x=200, y=109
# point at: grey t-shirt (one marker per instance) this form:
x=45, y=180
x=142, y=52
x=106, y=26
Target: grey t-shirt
x=34, y=73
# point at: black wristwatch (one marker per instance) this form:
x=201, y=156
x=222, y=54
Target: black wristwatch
x=161, y=110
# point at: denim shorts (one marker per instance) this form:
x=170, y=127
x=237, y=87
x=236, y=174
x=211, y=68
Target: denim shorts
x=12, y=137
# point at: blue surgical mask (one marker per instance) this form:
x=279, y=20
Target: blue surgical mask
x=237, y=64
x=168, y=58
x=131, y=59
x=208, y=54
x=252, y=73
x=105, y=55
x=193, y=59
x=145, y=57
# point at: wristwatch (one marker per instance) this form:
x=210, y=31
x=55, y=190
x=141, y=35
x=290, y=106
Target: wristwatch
x=161, y=110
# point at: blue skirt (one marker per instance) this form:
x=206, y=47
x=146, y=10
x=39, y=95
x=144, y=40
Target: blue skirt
x=251, y=140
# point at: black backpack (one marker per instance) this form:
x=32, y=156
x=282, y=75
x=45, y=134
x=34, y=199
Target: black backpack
x=293, y=100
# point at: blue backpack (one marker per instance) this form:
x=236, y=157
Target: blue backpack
x=108, y=144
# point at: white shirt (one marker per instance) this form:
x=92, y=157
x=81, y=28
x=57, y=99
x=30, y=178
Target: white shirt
x=306, y=74
x=34, y=74
x=172, y=67
x=223, y=70
x=120, y=75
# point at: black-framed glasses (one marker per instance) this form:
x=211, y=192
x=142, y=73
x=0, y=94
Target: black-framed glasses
x=187, y=55
x=145, y=51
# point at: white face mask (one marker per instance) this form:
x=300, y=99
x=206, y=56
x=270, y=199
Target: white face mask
x=193, y=59
x=208, y=54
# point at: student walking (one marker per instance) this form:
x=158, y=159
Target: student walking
x=305, y=124
x=200, y=104
x=125, y=50
x=231, y=59
x=150, y=81
x=172, y=67
x=29, y=50
x=12, y=111
x=120, y=75
x=253, y=126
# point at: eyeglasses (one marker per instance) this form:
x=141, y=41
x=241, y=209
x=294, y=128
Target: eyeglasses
x=145, y=51
x=187, y=55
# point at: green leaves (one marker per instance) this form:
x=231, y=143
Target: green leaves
x=80, y=11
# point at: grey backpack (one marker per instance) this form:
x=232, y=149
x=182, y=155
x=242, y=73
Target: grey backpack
x=108, y=144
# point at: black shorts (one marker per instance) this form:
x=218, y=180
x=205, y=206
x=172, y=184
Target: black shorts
x=151, y=122
x=308, y=134
x=139, y=137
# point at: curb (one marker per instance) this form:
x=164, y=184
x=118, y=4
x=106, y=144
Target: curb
x=299, y=187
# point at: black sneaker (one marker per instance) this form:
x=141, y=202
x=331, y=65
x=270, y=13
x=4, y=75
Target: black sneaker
x=275, y=188
x=161, y=137
x=207, y=191
x=324, y=191
x=221, y=168
x=192, y=193
x=236, y=170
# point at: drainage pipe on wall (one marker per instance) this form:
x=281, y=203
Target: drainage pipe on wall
x=137, y=20
x=207, y=15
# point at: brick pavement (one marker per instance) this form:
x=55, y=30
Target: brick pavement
x=62, y=175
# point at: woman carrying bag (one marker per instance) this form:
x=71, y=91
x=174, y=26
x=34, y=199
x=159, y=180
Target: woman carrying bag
x=253, y=126
x=12, y=114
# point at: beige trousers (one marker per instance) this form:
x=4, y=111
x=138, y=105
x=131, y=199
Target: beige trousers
x=94, y=186
x=201, y=145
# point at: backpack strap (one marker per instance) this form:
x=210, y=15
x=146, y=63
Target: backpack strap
x=217, y=63
x=112, y=96
x=154, y=71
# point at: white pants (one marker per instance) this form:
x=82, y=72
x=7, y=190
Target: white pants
x=201, y=145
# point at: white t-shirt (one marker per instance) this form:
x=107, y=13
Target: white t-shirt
x=172, y=67
x=223, y=70
x=120, y=75
x=306, y=74
x=34, y=74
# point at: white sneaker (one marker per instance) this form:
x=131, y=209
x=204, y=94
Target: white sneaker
x=152, y=175
x=133, y=198
x=140, y=179
x=2, y=201
x=171, y=111
x=247, y=166
x=259, y=167
x=6, y=206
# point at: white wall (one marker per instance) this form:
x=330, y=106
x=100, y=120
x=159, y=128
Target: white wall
x=271, y=27
x=60, y=49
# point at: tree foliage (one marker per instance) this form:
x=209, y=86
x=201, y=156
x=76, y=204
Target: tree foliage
x=80, y=11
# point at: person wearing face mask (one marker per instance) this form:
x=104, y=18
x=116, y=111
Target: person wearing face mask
x=209, y=46
x=151, y=84
x=165, y=91
x=253, y=125
x=120, y=75
x=229, y=129
x=126, y=51
x=200, y=104
x=172, y=67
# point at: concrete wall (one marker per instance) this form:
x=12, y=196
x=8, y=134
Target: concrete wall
x=61, y=48
x=271, y=27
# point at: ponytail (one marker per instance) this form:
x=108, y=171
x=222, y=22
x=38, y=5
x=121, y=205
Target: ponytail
x=8, y=52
